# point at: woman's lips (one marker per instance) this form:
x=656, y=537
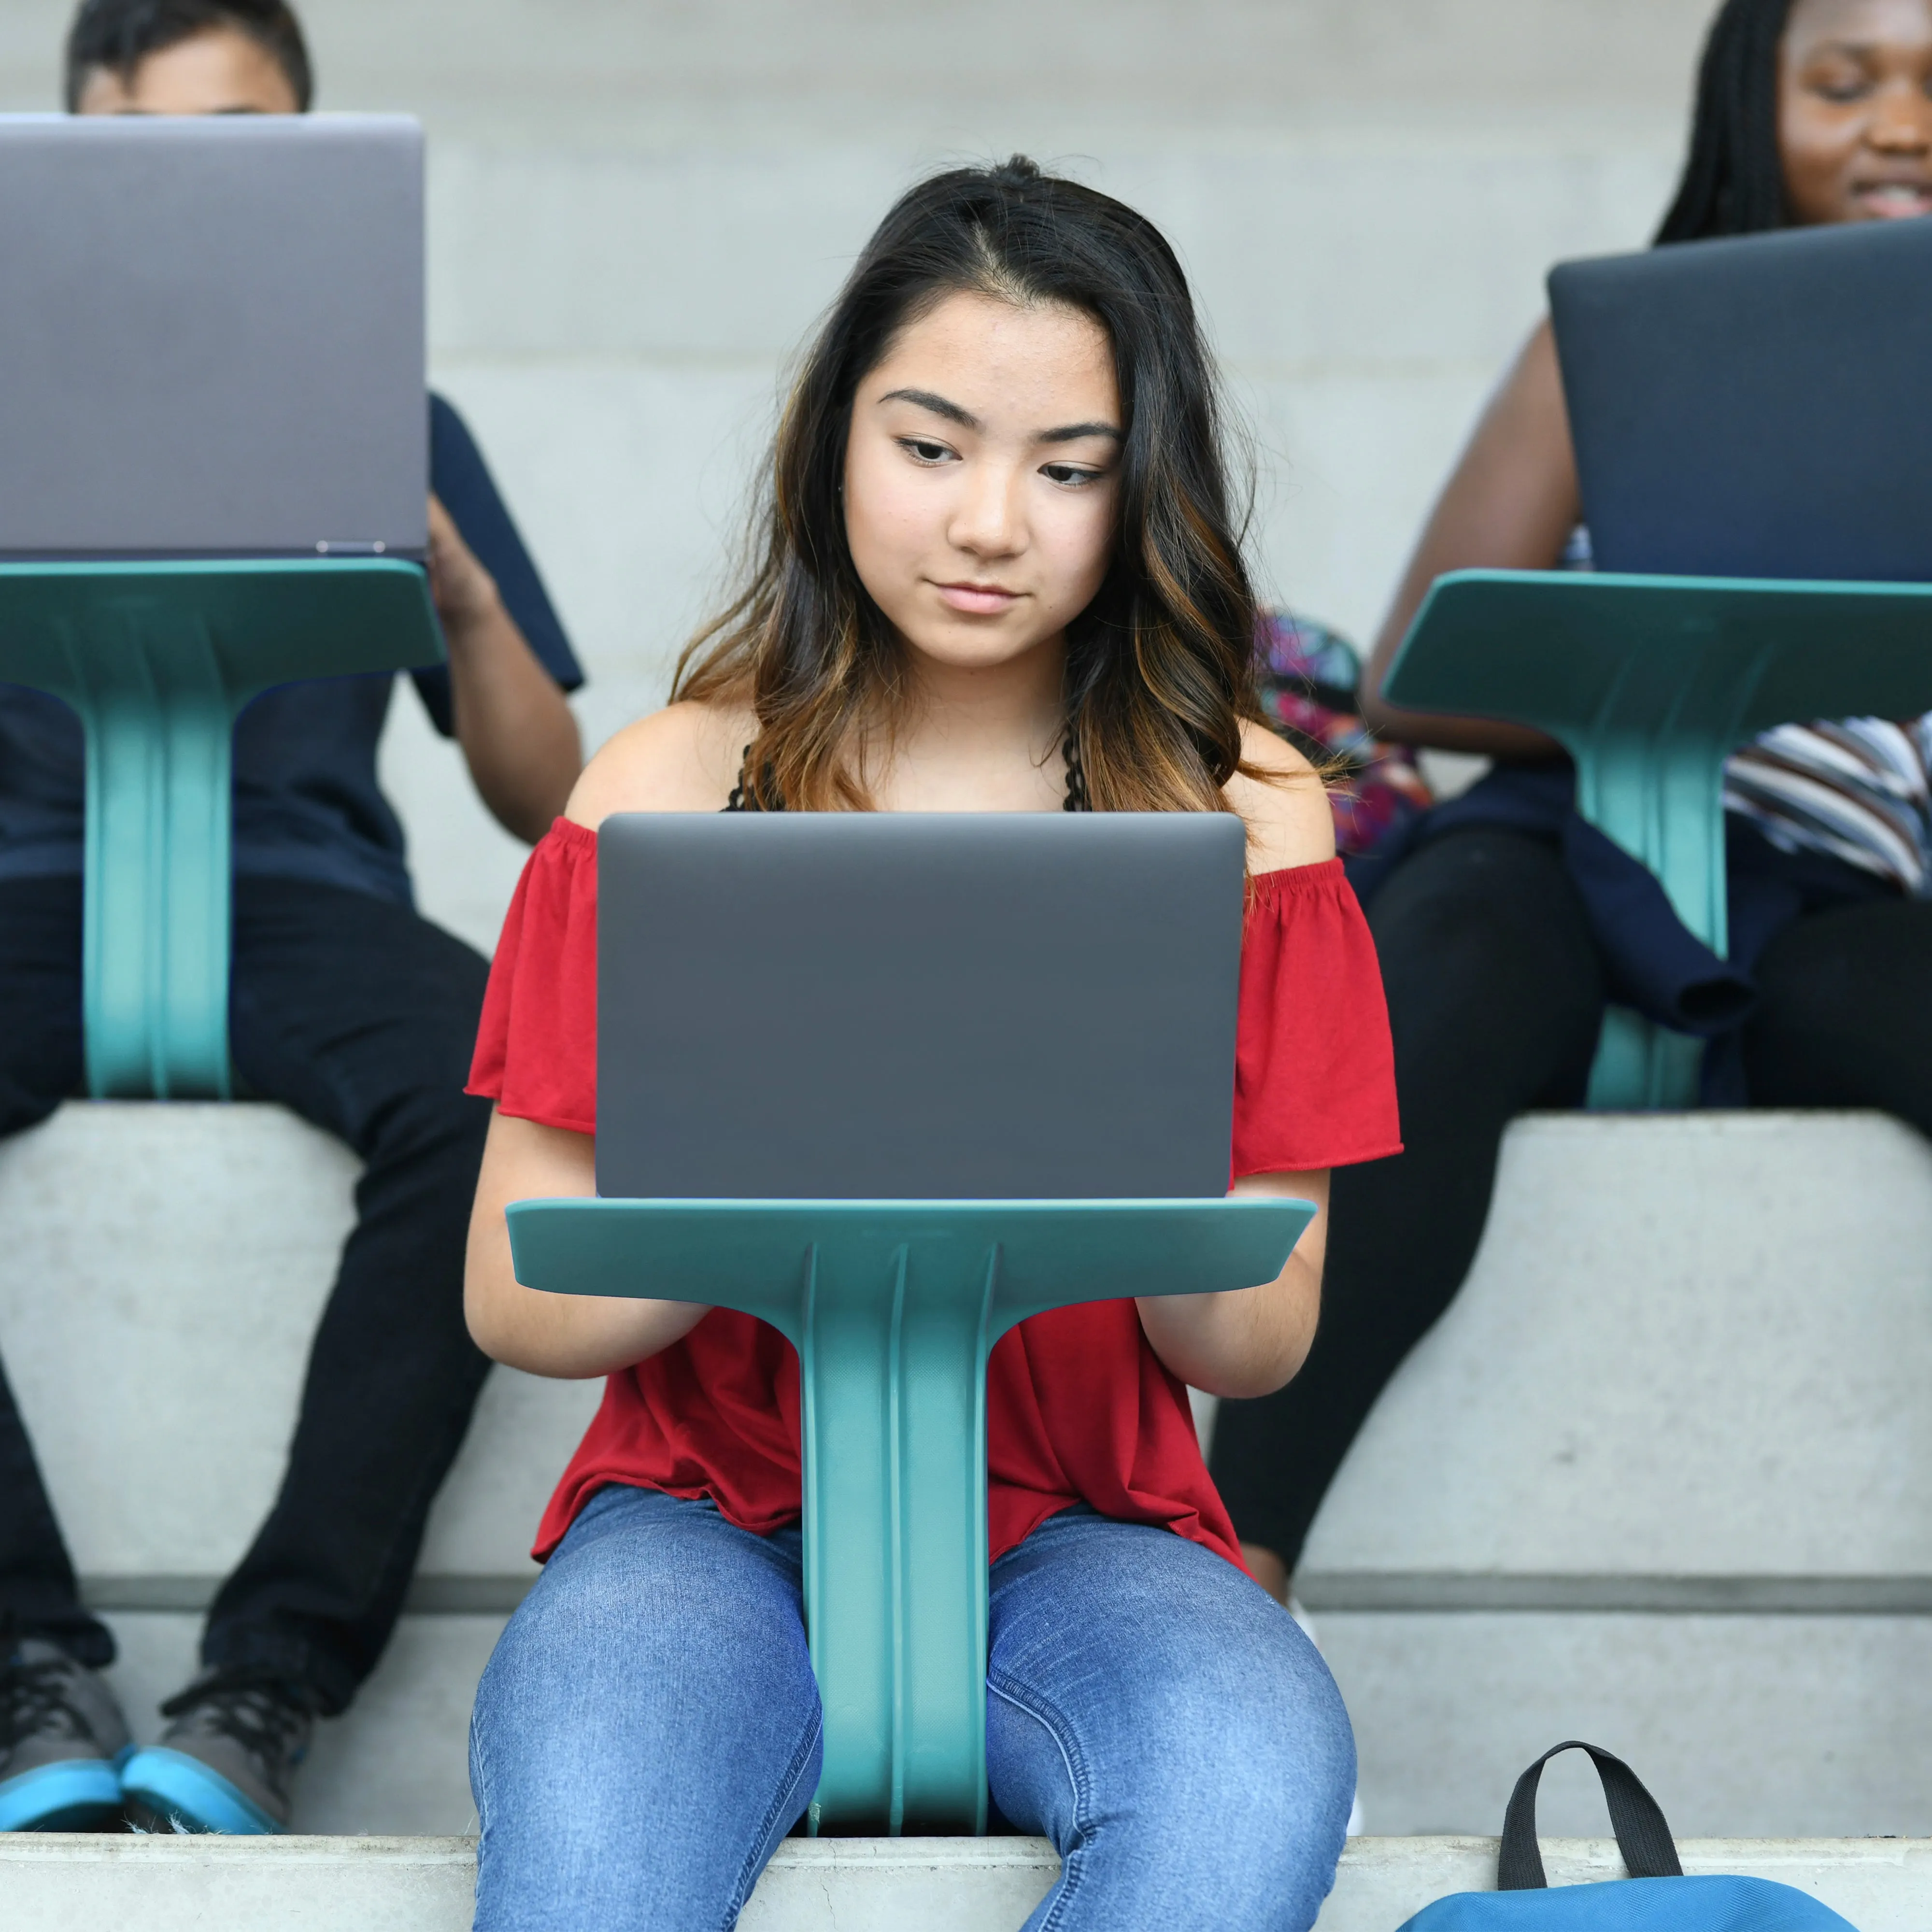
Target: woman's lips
x=1893, y=200
x=977, y=600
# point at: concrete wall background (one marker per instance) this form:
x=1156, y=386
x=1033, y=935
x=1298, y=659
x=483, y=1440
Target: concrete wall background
x=638, y=206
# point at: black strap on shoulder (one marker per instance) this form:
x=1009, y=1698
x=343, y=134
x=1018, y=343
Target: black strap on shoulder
x=1642, y=1837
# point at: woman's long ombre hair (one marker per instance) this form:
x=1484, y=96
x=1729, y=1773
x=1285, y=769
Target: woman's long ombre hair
x=1159, y=666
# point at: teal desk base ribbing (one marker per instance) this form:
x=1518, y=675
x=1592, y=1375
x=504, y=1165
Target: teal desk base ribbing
x=158, y=659
x=1650, y=683
x=894, y=1307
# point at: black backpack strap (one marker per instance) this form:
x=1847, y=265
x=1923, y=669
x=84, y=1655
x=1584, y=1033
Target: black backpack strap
x=1642, y=1837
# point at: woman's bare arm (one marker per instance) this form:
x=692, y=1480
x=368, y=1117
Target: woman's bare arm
x=681, y=759
x=1248, y=1341
x=570, y=1336
x=1510, y=504
x=1284, y=804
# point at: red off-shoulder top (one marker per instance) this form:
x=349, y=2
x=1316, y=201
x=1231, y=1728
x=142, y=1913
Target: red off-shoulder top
x=1079, y=1408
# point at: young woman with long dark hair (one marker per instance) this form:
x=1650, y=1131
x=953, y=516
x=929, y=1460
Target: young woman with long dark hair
x=1807, y=112
x=1000, y=570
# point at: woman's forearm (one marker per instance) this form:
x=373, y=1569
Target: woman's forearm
x=1510, y=504
x=1250, y=1341
x=572, y=1337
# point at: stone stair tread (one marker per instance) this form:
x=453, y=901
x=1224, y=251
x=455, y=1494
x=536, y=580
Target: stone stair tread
x=1653, y=1479
x=1682, y=1337
x=63, y=1882
x=1694, y=1345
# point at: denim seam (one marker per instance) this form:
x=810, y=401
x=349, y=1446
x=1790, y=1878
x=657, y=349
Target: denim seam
x=1073, y=1863
x=479, y=1784
x=748, y=1871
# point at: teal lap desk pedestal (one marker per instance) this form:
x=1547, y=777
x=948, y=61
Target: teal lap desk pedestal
x=893, y=1306
x=1650, y=683
x=158, y=659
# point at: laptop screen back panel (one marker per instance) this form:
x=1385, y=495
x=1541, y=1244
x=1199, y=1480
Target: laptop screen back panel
x=1756, y=407
x=873, y=1005
x=211, y=337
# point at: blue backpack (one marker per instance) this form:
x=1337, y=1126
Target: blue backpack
x=1656, y=1897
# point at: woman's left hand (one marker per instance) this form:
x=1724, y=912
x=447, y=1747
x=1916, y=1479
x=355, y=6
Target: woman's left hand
x=1249, y=1341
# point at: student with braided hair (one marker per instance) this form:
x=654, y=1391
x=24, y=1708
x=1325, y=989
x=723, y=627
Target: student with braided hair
x=1807, y=112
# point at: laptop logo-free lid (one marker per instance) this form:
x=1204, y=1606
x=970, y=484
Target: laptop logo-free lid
x=912, y=1005
x=1755, y=407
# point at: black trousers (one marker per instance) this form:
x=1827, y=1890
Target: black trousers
x=361, y=1016
x=1496, y=996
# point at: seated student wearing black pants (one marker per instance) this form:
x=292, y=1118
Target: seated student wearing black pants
x=348, y=1007
x=1808, y=111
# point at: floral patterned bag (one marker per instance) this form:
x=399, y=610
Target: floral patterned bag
x=1308, y=676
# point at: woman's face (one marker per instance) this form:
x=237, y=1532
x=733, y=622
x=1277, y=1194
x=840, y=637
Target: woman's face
x=1855, y=110
x=980, y=477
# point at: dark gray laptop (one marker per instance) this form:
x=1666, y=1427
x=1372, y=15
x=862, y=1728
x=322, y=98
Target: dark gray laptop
x=212, y=336
x=864, y=1005
x=1756, y=407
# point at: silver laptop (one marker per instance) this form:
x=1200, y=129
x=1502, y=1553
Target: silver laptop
x=860, y=1005
x=1756, y=406
x=212, y=336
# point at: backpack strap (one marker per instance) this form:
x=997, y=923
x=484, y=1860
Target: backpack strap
x=1642, y=1837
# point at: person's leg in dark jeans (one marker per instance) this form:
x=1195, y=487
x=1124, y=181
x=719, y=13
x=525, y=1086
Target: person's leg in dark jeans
x=1495, y=998
x=1843, y=1018
x=61, y=1733
x=40, y=1067
x=361, y=1016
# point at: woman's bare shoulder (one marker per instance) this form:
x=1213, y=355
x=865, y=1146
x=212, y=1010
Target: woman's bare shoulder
x=683, y=758
x=1286, y=804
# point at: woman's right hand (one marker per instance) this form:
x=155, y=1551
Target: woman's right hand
x=1510, y=504
x=570, y=1336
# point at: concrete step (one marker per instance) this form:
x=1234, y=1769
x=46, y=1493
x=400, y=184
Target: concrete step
x=1796, y=1726
x=1654, y=1480
x=1692, y=1346
x=1803, y=1725
x=64, y=1884
x=169, y=1263
x=398, y=1763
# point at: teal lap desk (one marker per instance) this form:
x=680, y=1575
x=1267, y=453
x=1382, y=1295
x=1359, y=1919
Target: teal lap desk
x=158, y=659
x=893, y=1306
x=1650, y=683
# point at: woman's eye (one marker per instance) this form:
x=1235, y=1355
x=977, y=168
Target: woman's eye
x=1072, y=473
x=1841, y=86
x=921, y=451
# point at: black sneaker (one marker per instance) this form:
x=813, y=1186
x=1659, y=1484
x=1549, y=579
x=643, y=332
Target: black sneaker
x=227, y=1761
x=62, y=1742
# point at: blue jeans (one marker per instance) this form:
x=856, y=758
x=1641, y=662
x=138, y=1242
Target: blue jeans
x=648, y=1730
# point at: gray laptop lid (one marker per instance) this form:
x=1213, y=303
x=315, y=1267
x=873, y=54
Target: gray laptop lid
x=1756, y=406
x=211, y=336
x=887, y=1005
